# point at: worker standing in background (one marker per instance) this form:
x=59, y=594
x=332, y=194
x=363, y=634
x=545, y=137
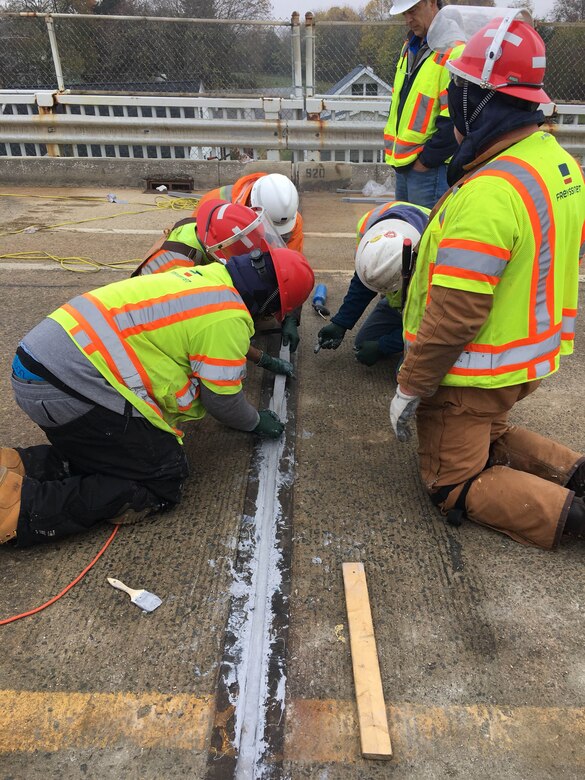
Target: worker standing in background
x=380, y=237
x=229, y=229
x=491, y=306
x=110, y=376
x=418, y=138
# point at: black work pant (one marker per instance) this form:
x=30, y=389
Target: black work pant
x=96, y=467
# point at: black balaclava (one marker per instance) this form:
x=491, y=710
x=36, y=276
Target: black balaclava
x=482, y=116
x=254, y=278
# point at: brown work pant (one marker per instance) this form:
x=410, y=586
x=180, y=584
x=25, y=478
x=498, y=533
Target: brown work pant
x=464, y=432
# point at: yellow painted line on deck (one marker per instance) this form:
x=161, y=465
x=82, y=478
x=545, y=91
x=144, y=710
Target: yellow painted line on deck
x=58, y=721
x=322, y=731
x=317, y=731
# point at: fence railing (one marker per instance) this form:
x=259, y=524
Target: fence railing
x=124, y=54
x=57, y=124
x=78, y=85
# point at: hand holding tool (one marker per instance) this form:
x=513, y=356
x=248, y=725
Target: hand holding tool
x=331, y=336
x=142, y=598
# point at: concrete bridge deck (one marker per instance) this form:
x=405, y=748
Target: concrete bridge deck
x=480, y=640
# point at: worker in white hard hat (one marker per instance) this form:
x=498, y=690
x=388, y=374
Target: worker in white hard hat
x=418, y=138
x=492, y=304
x=381, y=236
x=279, y=198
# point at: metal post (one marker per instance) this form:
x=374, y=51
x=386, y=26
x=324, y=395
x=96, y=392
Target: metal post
x=313, y=155
x=297, y=62
x=55, y=53
x=309, y=54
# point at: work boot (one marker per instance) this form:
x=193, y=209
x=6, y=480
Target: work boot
x=12, y=460
x=575, y=522
x=10, y=490
x=577, y=481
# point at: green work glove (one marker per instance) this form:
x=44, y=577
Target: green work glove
x=368, y=353
x=276, y=365
x=269, y=426
x=331, y=336
x=290, y=333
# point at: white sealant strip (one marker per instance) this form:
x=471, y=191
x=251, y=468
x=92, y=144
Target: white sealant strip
x=139, y=232
x=252, y=671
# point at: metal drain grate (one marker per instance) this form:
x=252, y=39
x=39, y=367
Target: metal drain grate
x=174, y=184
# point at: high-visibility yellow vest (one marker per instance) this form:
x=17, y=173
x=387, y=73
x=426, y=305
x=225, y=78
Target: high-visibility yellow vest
x=181, y=249
x=513, y=230
x=384, y=211
x=401, y=209
x=156, y=338
x=404, y=139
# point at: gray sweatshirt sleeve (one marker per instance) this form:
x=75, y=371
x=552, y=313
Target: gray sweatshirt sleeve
x=232, y=410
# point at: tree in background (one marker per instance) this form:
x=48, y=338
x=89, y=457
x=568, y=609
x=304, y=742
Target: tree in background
x=336, y=47
x=568, y=11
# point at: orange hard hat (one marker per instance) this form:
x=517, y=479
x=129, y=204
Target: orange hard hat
x=506, y=55
x=294, y=275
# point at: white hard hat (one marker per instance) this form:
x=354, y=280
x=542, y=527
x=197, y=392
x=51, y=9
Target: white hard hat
x=400, y=6
x=278, y=196
x=378, y=258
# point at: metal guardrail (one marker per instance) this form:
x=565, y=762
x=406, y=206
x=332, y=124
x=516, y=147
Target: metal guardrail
x=39, y=123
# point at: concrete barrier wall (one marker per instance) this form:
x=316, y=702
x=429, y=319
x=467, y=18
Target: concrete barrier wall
x=206, y=175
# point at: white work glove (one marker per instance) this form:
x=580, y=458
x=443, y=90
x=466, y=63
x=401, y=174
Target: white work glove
x=402, y=408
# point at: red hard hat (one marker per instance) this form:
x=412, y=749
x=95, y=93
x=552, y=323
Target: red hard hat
x=506, y=55
x=294, y=275
x=226, y=229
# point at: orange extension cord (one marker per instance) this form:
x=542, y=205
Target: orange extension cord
x=64, y=591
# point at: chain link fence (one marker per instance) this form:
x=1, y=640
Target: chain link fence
x=126, y=55
x=341, y=46
x=215, y=56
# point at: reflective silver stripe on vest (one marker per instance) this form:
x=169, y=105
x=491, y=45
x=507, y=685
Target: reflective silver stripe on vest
x=544, y=259
x=113, y=344
x=420, y=121
x=215, y=373
x=188, y=395
x=542, y=369
x=479, y=262
x=157, y=312
x=404, y=147
x=154, y=264
x=513, y=356
x=569, y=325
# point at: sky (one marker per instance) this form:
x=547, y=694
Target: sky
x=282, y=9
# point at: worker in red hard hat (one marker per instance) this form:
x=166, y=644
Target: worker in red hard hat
x=279, y=198
x=111, y=376
x=220, y=230
x=491, y=306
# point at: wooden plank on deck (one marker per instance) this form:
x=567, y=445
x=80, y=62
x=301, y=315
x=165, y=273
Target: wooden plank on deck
x=374, y=734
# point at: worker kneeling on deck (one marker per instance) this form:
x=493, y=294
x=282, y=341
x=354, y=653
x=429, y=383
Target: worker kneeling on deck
x=111, y=375
x=381, y=234
x=222, y=230
x=492, y=303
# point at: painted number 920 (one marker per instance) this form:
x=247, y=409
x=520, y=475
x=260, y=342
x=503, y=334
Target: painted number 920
x=315, y=173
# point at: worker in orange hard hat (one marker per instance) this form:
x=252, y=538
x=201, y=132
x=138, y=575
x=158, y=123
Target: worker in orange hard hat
x=279, y=198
